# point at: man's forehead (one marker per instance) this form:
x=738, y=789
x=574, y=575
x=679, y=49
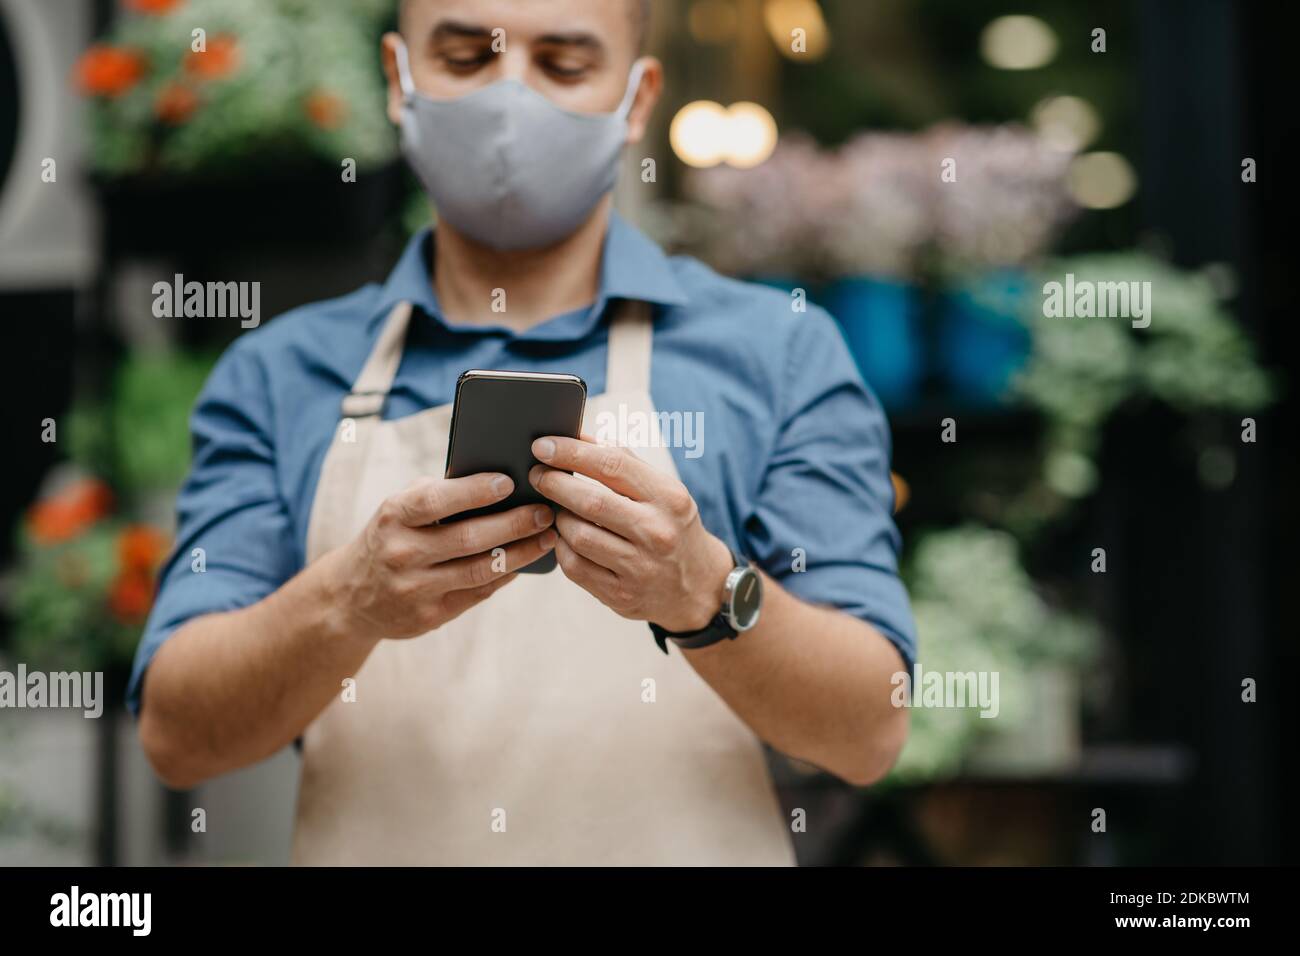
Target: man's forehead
x=608, y=20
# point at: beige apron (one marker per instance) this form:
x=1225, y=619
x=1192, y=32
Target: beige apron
x=537, y=728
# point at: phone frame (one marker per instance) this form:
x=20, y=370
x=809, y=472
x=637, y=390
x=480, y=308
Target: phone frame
x=479, y=375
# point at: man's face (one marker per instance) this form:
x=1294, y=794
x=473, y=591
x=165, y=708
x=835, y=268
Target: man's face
x=577, y=53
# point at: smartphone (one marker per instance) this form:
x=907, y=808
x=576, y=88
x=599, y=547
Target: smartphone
x=495, y=420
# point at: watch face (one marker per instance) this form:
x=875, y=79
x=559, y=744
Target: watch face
x=746, y=600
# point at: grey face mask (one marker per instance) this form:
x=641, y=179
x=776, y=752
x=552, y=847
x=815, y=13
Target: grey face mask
x=506, y=166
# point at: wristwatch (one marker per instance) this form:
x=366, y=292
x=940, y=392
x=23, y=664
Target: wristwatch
x=742, y=600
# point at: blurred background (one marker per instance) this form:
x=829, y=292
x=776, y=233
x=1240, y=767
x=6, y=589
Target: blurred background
x=801, y=144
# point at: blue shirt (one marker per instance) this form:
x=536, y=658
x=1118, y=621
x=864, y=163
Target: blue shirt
x=795, y=448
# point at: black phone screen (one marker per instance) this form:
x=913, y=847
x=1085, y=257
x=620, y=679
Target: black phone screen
x=496, y=418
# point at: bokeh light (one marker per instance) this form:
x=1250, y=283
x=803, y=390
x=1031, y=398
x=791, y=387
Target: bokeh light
x=1067, y=123
x=1018, y=43
x=784, y=17
x=698, y=133
x=751, y=135
x=1102, y=180
x=705, y=133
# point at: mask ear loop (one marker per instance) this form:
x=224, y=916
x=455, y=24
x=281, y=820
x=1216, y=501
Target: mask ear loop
x=633, y=85
x=404, y=71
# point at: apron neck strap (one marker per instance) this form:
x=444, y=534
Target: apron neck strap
x=371, y=387
x=631, y=333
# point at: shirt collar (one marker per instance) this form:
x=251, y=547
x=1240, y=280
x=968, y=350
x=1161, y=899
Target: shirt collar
x=632, y=267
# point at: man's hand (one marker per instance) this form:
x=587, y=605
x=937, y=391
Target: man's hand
x=811, y=681
x=405, y=574
x=233, y=687
x=632, y=537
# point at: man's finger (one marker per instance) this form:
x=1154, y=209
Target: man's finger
x=585, y=573
x=614, y=467
x=468, y=573
x=588, y=499
x=458, y=602
x=460, y=539
x=428, y=500
x=595, y=543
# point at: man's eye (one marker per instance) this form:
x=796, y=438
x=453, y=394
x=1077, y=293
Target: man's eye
x=463, y=62
x=566, y=71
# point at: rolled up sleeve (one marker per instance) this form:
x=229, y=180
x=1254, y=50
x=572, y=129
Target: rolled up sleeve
x=825, y=502
x=234, y=542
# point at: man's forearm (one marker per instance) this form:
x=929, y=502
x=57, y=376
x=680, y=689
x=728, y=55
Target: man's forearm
x=813, y=682
x=229, y=689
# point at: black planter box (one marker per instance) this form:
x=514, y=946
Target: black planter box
x=153, y=215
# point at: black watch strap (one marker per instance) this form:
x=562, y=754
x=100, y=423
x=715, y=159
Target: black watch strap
x=718, y=629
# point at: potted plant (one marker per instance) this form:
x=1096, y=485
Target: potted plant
x=978, y=612
x=240, y=115
x=875, y=203
x=82, y=588
x=845, y=226
x=1007, y=203
x=90, y=547
x=1192, y=358
x=758, y=223
x=85, y=581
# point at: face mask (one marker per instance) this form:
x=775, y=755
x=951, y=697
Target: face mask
x=506, y=166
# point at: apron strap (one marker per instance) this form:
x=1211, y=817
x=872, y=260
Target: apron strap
x=631, y=334
x=370, y=390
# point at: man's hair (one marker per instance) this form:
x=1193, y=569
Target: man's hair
x=639, y=10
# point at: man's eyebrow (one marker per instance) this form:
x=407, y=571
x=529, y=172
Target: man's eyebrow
x=579, y=38
x=447, y=29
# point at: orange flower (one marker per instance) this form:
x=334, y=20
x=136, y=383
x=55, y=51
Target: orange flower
x=902, y=493
x=69, y=512
x=105, y=70
x=326, y=110
x=131, y=597
x=175, y=104
x=221, y=58
x=151, y=6
x=140, y=548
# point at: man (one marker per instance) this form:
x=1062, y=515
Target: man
x=450, y=711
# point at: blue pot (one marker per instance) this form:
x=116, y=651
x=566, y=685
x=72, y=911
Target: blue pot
x=881, y=322
x=983, y=341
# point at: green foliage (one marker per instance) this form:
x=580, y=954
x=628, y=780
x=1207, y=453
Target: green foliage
x=287, y=52
x=151, y=417
x=58, y=603
x=978, y=610
x=1193, y=357
x=140, y=437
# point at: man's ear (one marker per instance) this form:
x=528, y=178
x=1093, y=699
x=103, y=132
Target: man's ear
x=647, y=96
x=388, y=54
